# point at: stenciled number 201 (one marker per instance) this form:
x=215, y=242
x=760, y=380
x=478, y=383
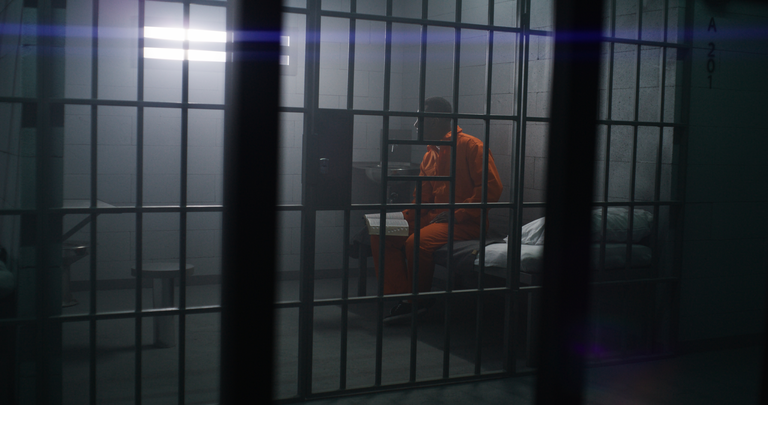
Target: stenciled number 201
x=711, y=62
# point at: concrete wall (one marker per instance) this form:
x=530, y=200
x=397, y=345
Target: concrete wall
x=404, y=91
x=724, y=248
x=440, y=66
x=117, y=137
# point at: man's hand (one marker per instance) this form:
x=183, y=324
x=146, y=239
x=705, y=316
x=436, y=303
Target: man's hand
x=441, y=218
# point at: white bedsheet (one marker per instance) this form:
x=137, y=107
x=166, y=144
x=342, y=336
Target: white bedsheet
x=532, y=256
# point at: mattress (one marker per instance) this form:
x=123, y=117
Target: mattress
x=532, y=256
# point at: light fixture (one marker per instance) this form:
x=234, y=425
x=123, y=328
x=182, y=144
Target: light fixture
x=179, y=54
x=285, y=60
x=170, y=33
x=180, y=34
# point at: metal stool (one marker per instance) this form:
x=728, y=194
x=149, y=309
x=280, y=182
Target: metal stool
x=72, y=251
x=162, y=296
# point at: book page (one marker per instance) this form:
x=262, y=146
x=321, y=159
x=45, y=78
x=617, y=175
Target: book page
x=390, y=216
x=397, y=226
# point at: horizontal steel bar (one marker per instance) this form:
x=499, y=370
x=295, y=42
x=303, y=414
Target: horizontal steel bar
x=112, y=210
x=635, y=203
x=639, y=123
x=491, y=205
x=536, y=119
x=440, y=294
x=471, y=26
x=113, y=315
x=300, y=110
x=608, y=39
x=635, y=281
x=408, y=385
x=417, y=178
x=419, y=21
x=113, y=102
x=142, y=104
x=419, y=143
x=218, y=3
x=289, y=207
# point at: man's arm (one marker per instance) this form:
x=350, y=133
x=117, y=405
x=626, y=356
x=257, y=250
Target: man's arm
x=427, y=194
x=494, y=188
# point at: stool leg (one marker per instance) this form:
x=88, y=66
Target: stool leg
x=164, y=328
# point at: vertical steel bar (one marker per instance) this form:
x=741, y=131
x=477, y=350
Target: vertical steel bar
x=680, y=163
x=252, y=92
x=655, y=242
x=306, y=289
x=517, y=182
x=351, y=64
x=419, y=184
x=660, y=148
x=415, y=280
x=452, y=186
x=606, y=171
x=93, y=198
x=344, y=304
x=139, y=202
x=383, y=196
x=484, y=198
x=47, y=340
x=569, y=190
x=415, y=272
x=345, y=246
x=632, y=178
x=183, y=214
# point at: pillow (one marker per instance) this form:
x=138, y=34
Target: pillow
x=533, y=233
x=617, y=225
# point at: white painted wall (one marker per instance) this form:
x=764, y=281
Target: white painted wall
x=117, y=136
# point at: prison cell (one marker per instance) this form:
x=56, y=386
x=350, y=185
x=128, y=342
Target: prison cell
x=134, y=178
x=379, y=61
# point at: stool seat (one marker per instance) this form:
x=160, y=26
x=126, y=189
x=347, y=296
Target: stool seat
x=162, y=270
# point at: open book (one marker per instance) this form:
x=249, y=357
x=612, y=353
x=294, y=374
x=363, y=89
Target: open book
x=396, y=224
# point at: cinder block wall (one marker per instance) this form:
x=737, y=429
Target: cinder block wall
x=117, y=138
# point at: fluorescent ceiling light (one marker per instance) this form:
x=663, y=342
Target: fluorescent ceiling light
x=179, y=54
x=180, y=34
x=166, y=33
x=209, y=56
x=164, y=53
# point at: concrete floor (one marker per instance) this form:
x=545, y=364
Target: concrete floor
x=116, y=357
x=708, y=377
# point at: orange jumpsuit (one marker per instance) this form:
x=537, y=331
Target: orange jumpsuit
x=399, y=253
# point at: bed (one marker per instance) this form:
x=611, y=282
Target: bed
x=619, y=244
x=617, y=241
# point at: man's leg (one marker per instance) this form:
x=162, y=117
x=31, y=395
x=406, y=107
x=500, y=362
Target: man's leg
x=432, y=237
x=396, y=279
